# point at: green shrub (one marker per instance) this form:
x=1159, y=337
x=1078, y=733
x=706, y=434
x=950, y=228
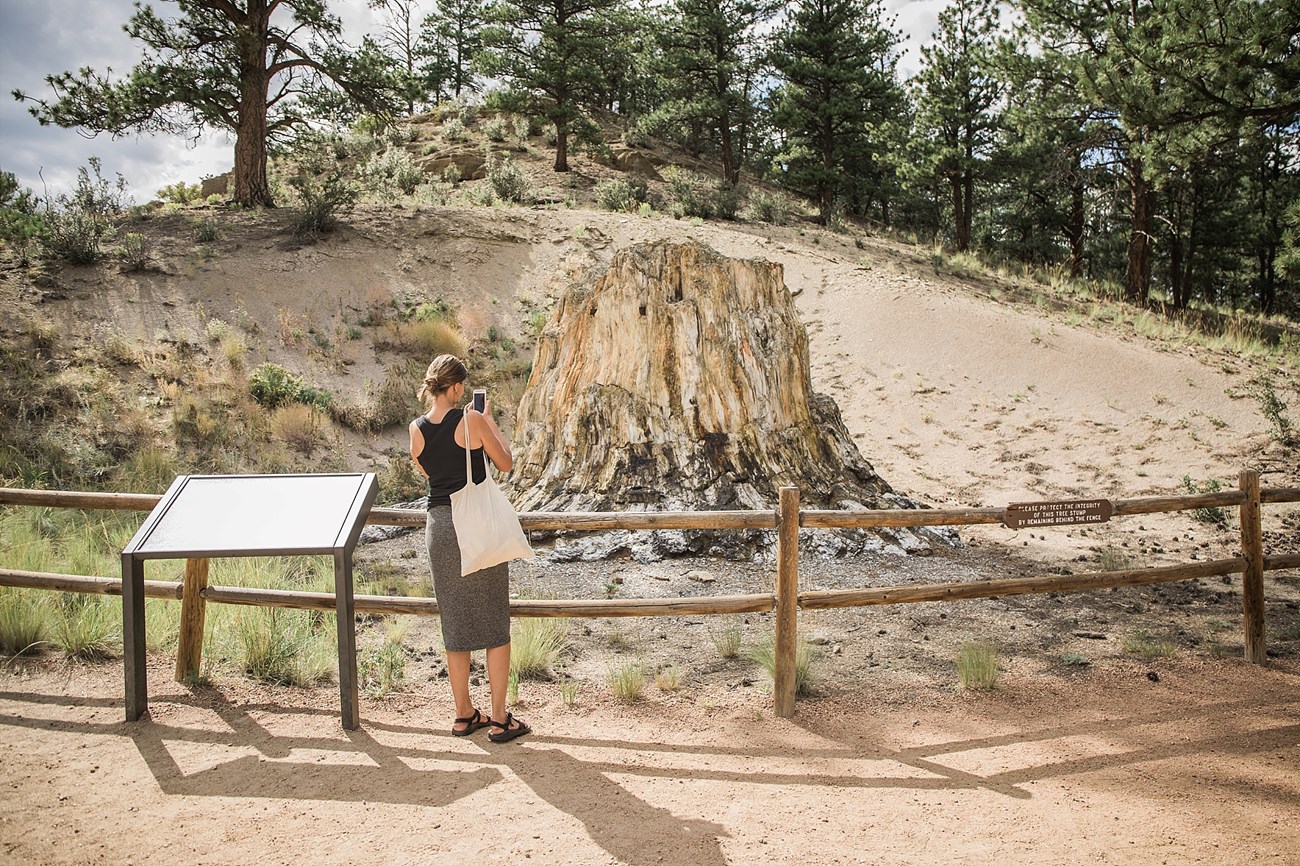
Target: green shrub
x=1273, y=408
x=769, y=207
x=495, y=129
x=322, y=201
x=399, y=482
x=388, y=174
x=507, y=179
x=135, y=252
x=619, y=194
x=79, y=224
x=1214, y=516
x=727, y=200
x=686, y=197
x=523, y=129
x=181, y=192
x=382, y=669
x=454, y=130
x=206, y=230
x=273, y=386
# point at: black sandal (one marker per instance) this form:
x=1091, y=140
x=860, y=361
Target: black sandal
x=508, y=733
x=472, y=724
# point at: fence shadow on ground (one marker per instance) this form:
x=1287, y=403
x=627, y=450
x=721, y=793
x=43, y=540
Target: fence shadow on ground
x=200, y=744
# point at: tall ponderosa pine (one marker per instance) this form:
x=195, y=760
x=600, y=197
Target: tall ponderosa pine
x=225, y=64
x=450, y=38
x=959, y=104
x=710, y=59
x=836, y=61
x=399, y=37
x=1100, y=43
x=1046, y=169
x=550, y=52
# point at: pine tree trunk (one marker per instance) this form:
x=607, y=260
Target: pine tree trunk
x=960, y=239
x=967, y=211
x=1177, y=285
x=1077, y=224
x=1137, y=274
x=251, y=186
x=561, y=147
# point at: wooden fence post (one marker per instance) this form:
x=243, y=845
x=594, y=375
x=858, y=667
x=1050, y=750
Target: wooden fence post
x=787, y=601
x=1252, y=579
x=189, y=652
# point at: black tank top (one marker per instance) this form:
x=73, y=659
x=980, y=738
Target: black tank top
x=443, y=460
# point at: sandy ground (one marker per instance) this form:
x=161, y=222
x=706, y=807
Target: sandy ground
x=1200, y=767
x=957, y=398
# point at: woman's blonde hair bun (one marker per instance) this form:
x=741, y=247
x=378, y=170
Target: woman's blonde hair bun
x=445, y=371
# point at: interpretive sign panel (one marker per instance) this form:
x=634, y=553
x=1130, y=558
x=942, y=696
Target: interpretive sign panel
x=1020, y=515
x=205, y=516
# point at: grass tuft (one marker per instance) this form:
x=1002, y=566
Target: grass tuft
x=627, y=682
x=805, y=679
x=535, y=645
x=977, y=666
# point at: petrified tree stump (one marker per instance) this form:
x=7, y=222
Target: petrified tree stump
x=678, y=379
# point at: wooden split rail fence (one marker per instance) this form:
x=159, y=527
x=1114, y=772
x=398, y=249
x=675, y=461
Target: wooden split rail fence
x=787, y=519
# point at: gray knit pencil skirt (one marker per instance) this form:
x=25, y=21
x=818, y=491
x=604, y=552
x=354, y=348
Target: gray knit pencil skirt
x=475, y=609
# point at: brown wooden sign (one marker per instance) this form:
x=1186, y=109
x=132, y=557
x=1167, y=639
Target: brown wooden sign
x=1019, y=515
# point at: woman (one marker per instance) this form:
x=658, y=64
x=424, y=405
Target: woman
x=475, y=608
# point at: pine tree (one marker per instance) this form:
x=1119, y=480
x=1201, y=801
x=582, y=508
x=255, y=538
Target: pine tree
x=958, y=95
x=550, y=52
x=711, y=55
x=450, y=38
x=838, y=82
x=399, y=37
x=239, y=66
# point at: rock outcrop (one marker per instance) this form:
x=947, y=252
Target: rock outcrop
x=679, y=379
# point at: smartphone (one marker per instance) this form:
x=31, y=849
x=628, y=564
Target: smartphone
x=480, y=399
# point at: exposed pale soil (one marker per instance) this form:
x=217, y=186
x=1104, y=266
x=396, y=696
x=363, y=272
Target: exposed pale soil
x=957, y=398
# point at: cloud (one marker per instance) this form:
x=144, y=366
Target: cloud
x=43, y=37
x=917, y=19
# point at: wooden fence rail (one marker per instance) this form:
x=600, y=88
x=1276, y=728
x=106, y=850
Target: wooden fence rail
x=194, y=592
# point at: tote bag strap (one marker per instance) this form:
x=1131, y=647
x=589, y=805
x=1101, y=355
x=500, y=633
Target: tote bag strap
x=469, y=469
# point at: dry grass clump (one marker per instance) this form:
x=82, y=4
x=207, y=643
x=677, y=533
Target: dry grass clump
x=299, y=426
x=427, y=338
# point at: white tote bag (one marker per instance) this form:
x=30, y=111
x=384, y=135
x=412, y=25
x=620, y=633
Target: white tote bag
x=487, y=527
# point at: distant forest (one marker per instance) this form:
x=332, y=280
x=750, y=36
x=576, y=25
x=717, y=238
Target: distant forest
x=1153, y=145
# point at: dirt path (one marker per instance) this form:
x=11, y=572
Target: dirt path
x=1201, y=766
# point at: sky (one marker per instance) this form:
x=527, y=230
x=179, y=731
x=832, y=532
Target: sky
x=41, y=37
